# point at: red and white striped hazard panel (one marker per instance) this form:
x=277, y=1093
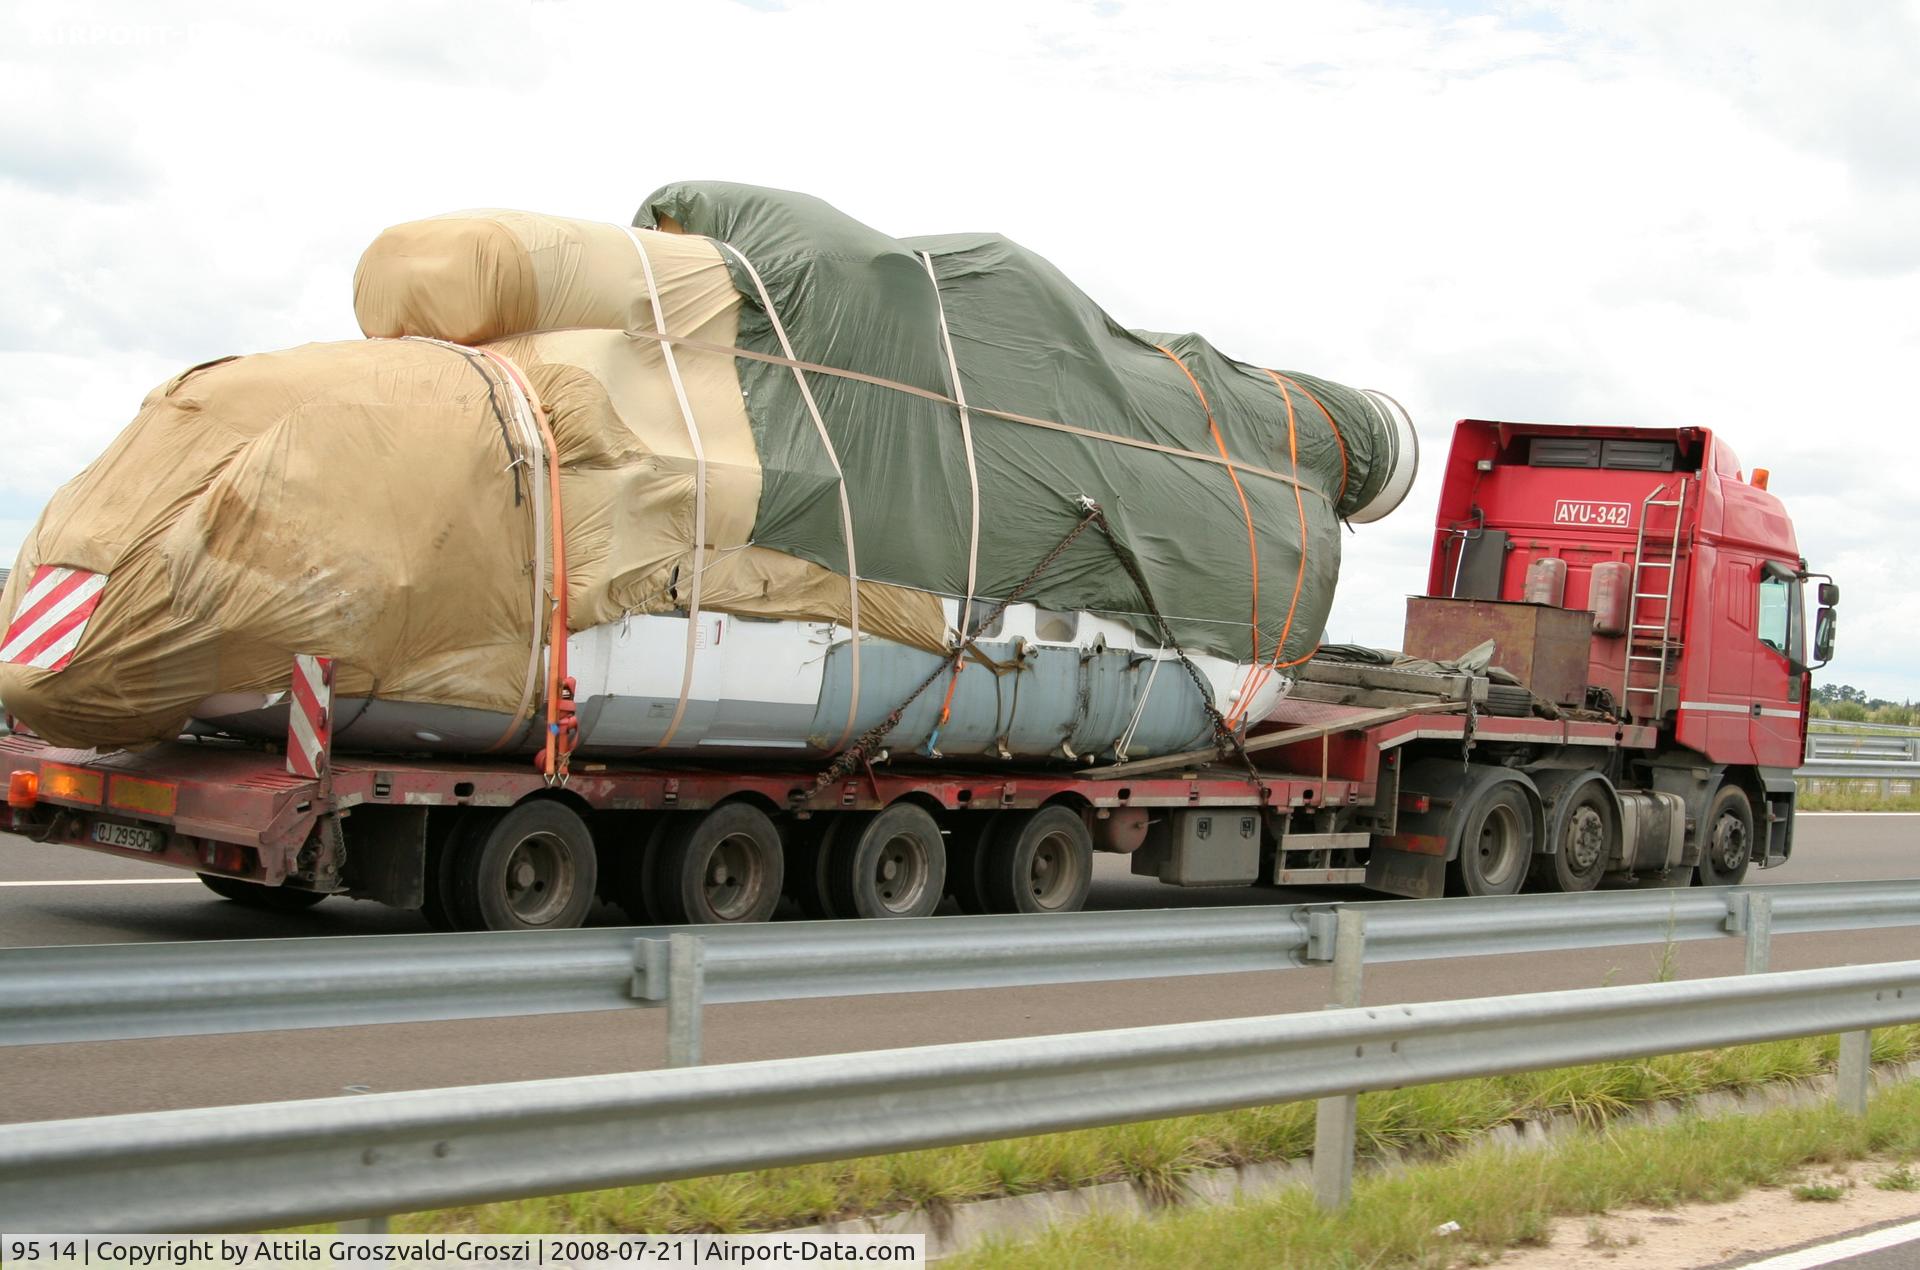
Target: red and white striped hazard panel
x=51, y=617
x=309, y=716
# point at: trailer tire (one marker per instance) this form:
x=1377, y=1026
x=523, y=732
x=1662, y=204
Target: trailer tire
x=806, y=846
x=1494, y=840
x=893, y=864
x=272, y=899
x=533, y=868
x=1039, y=862
x=1583, y=828
x=967, y=847
x=1726, y=848
x=720, y=868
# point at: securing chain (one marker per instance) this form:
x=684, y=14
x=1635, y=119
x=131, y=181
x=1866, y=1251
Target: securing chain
x=1225, y=740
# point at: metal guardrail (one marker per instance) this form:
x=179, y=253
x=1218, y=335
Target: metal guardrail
x=1862, y=756
x=119, y=991
x=326, y=1159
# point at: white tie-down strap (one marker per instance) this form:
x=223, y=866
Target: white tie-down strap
x=966, y=440
x=699, y=490
x=534, y=448
x=846, y=508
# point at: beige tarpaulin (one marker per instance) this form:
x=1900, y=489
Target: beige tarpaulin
x=370, y=500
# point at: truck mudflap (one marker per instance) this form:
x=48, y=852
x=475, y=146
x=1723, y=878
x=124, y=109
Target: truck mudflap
x=207, y=808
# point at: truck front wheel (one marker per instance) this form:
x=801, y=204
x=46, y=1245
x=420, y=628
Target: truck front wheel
x=1495, y=843
x=1728, y=847
x=274, y=899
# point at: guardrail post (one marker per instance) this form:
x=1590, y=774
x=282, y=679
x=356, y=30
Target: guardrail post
x=364, y=1226
x=1759, y=933
x=1855, y=1072
x=1335, y=1118
x=686, y=985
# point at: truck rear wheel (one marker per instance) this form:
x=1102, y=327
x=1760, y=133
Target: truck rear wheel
x=893, y=864
x=1495, y=842
x=1583, y=830
x=273, y=899
x=1728, y=845
x=724, y=866
x=1039, y=862
x=532, y=868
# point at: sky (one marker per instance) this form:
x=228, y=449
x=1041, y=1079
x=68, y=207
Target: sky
x=1634, y=212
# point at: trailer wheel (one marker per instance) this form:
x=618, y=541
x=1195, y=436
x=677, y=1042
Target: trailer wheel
x=273, y=899
x=967, y=854
x=1728, y=847
x=1039, y=862
x=532, y=868
x=1584, y=830
x=724, y=866
x=1495, y=842
x=893, y=864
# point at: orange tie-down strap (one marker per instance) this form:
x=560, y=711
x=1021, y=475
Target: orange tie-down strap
x=1246, y=511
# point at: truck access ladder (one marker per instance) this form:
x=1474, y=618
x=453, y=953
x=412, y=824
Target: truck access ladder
x=1650, y=644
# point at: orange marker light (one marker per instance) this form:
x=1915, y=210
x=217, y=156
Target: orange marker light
x=1760, y=475
x=23, y=790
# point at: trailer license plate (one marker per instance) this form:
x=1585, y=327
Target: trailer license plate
x=132, y=837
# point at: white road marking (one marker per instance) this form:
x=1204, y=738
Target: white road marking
x=105, y=882
x=1827, y=1254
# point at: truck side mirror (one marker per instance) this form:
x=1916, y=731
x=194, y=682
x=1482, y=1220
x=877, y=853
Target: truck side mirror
x=1829, y=594
x=1824, y=629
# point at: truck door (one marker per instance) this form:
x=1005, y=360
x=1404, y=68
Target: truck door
x=1777, y=682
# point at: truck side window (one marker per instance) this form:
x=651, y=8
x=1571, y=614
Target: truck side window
x=1776, y=615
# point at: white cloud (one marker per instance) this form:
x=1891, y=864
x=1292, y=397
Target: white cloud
x=1633, y=212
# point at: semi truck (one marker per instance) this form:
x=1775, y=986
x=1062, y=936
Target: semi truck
x=1606, y=680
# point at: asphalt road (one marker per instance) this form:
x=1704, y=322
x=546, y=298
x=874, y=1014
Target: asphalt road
x=50, y=896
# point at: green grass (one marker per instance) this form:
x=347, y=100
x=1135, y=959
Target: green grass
x=1819, y=1192
x=1499, y=1199
x=1858, y=800
x=1425, y=1120
x=1900, y=1179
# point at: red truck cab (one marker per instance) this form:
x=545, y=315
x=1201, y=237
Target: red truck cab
x=1689, y=564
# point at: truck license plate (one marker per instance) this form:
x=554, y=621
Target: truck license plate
x=133, y=837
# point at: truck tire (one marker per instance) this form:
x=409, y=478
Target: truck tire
x=1583, y=828
x=532, y=868
x=1039, y=862
x=272, y=899
x=967, y=860
x=805, y=846
x=1726, y=848
x=722, y=867
x=1495, y=841
x=893, y=864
